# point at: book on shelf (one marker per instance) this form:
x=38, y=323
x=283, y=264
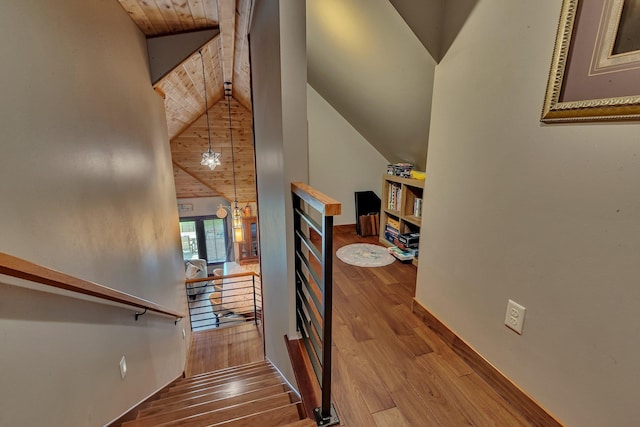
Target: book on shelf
x=395, y=193
x=393, y=223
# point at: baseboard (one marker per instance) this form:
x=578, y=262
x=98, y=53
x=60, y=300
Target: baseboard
x=520, y=400
x=307, y=386
x=346, y=227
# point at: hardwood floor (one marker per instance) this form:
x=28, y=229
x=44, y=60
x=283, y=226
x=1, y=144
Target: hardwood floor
x=389, y=369
x=220, y=348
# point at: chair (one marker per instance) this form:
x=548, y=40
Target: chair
x=196, y=269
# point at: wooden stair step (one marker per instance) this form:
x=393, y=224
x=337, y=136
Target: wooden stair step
x=233, y=368
x=225, y=395
x=227, y=371
x=274, y=417
x=211, y=387
x=233, y=412
x=224, y=389
x=302, y=423
x=151, y=420
x=184, y=385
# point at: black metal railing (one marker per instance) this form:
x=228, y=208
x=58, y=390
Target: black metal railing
x=219, y=301
x=313, y=228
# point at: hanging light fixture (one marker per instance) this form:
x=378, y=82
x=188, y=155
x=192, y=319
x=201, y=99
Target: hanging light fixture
x=237, y=212
x=209, y=158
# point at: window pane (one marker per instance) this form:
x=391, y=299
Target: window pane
x=214, y=231
x=189, y=240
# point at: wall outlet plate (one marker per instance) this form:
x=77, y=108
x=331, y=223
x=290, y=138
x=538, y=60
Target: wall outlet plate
x=123, y=367
x=514, y=318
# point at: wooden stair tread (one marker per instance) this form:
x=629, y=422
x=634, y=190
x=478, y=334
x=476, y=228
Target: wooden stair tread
x=225, y=389
x=212, y=387
x=181, y=385
x=274, y=417
x=302, y=423
x=228, y=371
x=162, y=414
x=234, y=412
x=233, y=368
x=207, y=407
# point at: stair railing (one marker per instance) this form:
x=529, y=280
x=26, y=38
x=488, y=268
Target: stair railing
x=27, y=270
x=313, y=221
x=218, y=301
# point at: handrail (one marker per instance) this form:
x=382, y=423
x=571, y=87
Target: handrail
x=23, y=269
x=319, y=201
x=314, y=315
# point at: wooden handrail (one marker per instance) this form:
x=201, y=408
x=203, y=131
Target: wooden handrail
x=23, y=269
x=319, y=201
x=228, y=276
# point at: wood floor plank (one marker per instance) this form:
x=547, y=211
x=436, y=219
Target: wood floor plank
x=390, y=418
x=353, y=369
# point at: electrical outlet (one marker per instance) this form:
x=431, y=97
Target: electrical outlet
x=514, y=318
x=123, y=367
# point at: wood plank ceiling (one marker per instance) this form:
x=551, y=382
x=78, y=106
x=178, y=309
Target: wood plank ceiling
x=226, y=59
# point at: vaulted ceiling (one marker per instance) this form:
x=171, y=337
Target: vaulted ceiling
x=225, y=59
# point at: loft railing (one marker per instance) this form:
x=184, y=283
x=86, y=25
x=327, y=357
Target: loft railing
x=219, y=301
x=313, y=224
x=27, y=270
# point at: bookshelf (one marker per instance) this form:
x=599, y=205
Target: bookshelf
x=398, y=205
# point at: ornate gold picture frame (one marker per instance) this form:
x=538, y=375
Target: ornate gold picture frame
x=595, y=69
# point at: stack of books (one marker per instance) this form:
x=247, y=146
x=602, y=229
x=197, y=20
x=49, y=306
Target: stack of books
x=402, y=170
x=392, y=230
x=408, y=242
x=400, y=254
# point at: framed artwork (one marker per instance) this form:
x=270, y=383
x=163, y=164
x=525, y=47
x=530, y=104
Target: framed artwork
x=595, y=70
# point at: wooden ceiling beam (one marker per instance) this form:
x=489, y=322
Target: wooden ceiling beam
x=227, y=22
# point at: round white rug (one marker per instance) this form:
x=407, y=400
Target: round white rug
x=365, y=255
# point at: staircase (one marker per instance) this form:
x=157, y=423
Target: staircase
x=243, y=396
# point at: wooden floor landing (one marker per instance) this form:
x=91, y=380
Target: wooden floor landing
x=220, y=348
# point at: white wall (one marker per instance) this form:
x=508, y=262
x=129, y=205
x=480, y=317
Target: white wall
x=87, y=188
x=202, y=206
x=278, y=67
x=341, y=161
x=547, y=215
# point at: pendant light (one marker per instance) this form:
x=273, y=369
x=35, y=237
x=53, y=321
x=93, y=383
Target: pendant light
x=209, y=158
x=237, y=212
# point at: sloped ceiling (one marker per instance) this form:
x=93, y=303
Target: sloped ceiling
x=435, y=22
x=366, y=62
x=186, y=150
x=225, y=59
